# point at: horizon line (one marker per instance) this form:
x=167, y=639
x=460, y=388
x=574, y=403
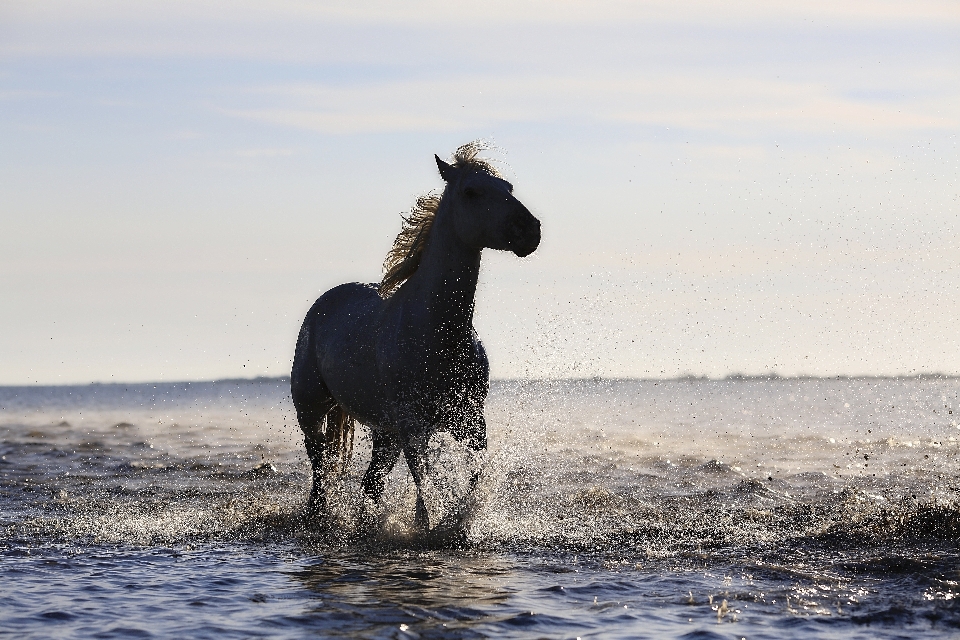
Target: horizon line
x=732, y=377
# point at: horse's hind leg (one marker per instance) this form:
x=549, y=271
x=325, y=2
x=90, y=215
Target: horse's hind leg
x=312, y=424
x=313, y=401
x=413, y=451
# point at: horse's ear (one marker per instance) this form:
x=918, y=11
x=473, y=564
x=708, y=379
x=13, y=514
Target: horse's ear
x=446, y=171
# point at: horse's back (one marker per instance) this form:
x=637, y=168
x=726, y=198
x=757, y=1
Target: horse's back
x=346, y=300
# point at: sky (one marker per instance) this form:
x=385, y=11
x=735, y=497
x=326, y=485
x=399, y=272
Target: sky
x=724, y=187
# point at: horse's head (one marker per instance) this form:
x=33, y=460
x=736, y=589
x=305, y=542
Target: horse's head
x=485, y=212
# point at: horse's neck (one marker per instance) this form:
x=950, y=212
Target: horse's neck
x=446, y=280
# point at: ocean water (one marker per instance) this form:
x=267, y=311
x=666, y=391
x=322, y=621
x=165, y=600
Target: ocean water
x=739, y=508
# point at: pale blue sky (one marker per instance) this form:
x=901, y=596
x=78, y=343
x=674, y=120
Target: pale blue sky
x=724, y=187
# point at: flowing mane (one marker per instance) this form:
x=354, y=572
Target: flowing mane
x=403, y=259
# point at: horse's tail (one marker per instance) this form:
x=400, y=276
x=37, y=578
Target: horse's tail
x=339, y=434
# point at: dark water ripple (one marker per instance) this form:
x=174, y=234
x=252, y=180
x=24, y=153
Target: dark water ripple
x=285, y=591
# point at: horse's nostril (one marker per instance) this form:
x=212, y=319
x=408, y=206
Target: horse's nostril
x=524, y=234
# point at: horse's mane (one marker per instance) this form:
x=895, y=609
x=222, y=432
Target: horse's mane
x=404, y=257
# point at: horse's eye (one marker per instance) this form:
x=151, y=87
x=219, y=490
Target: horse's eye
x=471, y=192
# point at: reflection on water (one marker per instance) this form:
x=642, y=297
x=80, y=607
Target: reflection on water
x=284, y=590
x=444, y=591
x=738, y=508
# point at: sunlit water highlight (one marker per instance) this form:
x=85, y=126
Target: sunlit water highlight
x=759, y=508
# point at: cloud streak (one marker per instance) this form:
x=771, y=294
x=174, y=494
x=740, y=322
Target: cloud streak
x=692, y=102
x=289, y=29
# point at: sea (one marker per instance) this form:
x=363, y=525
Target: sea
x=695, y=508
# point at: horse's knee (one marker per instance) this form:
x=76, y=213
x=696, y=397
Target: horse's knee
x=385, y=453
x=374, y=481
x=413, y=452
x=316, y=448
x=317, y=503
x=312, y=409
x=373, y=484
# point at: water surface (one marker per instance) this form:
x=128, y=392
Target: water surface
x=758, y=508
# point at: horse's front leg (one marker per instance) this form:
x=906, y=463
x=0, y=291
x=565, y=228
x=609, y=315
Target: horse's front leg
x=474, y=434
x=414, y=451
x=386, y=450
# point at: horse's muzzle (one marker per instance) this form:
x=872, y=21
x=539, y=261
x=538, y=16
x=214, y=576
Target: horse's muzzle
x=523, y=234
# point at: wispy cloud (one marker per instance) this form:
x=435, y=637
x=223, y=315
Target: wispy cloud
x=290, y=28
x=696, y=102
x=342, y=121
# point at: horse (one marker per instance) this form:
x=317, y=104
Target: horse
x=402, y=357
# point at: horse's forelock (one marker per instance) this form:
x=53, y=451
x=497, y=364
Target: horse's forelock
x=468, y=157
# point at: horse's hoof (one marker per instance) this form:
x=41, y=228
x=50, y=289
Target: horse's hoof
x=449, y=533
x=421, y=527
x=313, y=519
x=421, y=521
